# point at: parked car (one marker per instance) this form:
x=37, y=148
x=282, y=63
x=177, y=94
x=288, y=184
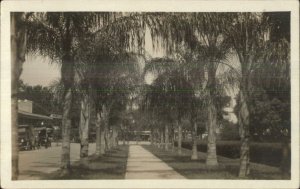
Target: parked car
x=24, y=141
x=44, y=138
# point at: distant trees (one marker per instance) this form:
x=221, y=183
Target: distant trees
x=41, y=96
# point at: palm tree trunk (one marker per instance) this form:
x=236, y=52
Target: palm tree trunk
x=84, y=126
x=66, y=130
x=106, y=138
x=18, y=46
x=114, y=136
x=151, y=137
x=124, y=136
x=158, y=138
x=211, y=159
x=67, y=77
x=167, y=137
x=194, y=138
x=161, y=138
x=179, y=138
x=244, y=132
x=98, y=135
x=173, y=138
x=102, y=141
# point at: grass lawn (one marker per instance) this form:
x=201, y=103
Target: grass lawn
x=112, y=165
x=228, y=168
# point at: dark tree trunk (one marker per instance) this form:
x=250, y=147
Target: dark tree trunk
x=211, y=159
x=151, y=137
x=161, y=138
x=98, y=135
x=107, y=138
x=167, y=137
x=245, y=135
x=67, y=77
x=124, y=136
x=179, y=138
x=102, y=140
x=84, y=126
x=173, y=138
x=66, y=129
x=18, y=46
x=194, y=138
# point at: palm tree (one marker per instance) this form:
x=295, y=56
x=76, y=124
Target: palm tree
x=170, y=94
x=58, y=35
x=55, y=35
x=250, y=37
x=18, y=51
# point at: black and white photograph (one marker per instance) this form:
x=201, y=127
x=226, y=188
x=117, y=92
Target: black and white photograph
x=130, y=95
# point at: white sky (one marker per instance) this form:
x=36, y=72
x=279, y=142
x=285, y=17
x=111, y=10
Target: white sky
x=38, y=70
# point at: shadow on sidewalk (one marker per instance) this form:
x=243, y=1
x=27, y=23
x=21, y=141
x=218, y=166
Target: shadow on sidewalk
x=112, y=165
x=196, y=169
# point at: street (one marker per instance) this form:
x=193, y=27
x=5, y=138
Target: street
x=35, y=164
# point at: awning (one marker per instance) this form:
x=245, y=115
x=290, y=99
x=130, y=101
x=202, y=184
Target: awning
x=33, y=116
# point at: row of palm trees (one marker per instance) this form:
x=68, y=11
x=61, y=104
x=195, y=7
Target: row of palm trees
x=101, y=53
x=210, y=46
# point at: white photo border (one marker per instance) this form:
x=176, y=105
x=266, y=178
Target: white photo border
x=150, y=6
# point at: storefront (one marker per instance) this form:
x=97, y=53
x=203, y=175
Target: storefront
x=32, y=127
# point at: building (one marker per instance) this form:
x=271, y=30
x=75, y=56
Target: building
x=31, y=124
x=27, y=117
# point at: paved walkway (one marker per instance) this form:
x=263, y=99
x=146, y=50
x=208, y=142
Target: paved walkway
x=35, y=164
x=142, y=164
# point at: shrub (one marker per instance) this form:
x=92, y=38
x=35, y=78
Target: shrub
x=264, y=153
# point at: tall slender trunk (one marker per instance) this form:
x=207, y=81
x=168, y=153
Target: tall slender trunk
x=194, y=138
x=157, y=137
x=104, y=131
x=124, y=135
x=66, y=130
x=84, y=126
x=173, y=138
x=167, y=137
x=151, y=137
x=18, y=46
x=161, y=138
x=211, y=159
x=102, y=141
x=67, y=77
x=107, y=138
x=117, y=137
x=98, y=135
x=179, y=138
x=245, y=135
x=114, y=136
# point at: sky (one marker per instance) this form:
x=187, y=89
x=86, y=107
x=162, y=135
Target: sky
x=39, y=70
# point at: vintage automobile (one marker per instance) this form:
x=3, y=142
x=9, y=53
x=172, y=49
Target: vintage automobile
x=25, y=140
x=44, y=137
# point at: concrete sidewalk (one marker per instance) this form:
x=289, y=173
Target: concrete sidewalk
x=35, y=164
x=142, y=164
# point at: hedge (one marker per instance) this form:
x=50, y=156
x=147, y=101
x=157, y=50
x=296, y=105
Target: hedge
x=264, y=153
